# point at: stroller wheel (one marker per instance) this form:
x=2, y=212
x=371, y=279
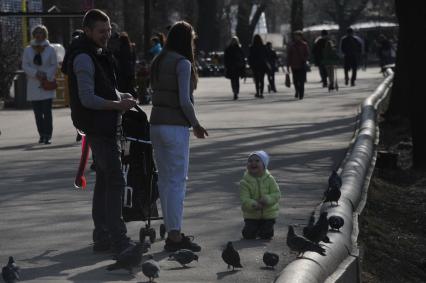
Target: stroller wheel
x=162, y=231
x=142, y=234
x=152, y=234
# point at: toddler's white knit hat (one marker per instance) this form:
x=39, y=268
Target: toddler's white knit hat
x=263, y=156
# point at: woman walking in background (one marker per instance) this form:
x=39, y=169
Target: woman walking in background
x=173, y=80
x=39, y=63
x=297, y=56
x=257, y=60
x=234, y=64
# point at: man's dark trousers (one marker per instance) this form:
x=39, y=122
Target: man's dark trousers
x=323, y=74
x=109, y=186
x=351, y=63
x=299, y=78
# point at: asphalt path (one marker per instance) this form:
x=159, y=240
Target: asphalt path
x=46, y=224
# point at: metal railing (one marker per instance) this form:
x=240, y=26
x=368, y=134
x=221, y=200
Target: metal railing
x=341, y=263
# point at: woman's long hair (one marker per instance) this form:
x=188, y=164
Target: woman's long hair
x=180, y=39
x=257, y=41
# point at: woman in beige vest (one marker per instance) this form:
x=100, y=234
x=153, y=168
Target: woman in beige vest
x=173, y=79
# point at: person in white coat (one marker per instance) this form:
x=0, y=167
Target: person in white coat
x=39, y=63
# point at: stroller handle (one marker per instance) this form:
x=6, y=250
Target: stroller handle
x=138, y=109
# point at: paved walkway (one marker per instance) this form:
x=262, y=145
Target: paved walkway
x=46, y=224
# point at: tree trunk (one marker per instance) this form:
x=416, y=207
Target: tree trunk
x=411, y=17
x=243, y=18
x=208, y=26
x=296, y=18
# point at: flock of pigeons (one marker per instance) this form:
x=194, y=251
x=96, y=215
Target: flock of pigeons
x=313, y=234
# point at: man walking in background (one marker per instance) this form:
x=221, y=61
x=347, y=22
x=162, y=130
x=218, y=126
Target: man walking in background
x=351, y=48
x=317, y=52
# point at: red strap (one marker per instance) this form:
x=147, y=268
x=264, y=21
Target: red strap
x=80, y=180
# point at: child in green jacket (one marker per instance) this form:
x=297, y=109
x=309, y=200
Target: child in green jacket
x=259, y=194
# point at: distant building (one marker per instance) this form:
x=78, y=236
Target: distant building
x=12, y=26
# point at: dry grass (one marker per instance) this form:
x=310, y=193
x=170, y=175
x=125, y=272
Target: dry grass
x=393, y=223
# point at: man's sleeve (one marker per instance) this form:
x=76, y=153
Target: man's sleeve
x=84, y=71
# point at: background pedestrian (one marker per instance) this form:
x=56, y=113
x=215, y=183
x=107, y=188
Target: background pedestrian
x=39, y=63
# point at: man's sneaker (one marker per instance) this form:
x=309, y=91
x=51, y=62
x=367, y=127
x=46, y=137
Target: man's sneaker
x=186, y=243
x=102, y=245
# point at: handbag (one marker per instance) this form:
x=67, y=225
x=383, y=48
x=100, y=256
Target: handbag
x=287, y=80
x=49, y=85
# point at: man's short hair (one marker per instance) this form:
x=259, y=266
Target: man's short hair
x=324, y=32
x=350, y=31
x=93, y=16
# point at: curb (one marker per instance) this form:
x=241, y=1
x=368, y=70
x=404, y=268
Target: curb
x=341, y=263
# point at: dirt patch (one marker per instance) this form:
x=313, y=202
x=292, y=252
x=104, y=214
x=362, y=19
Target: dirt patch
x=393, y=222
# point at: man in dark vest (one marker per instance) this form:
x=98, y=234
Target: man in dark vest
x=96, y=108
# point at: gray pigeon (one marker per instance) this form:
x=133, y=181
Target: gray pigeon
x=332, y=195
x=10, y=272
x=129, y=258
x=311, y=223
x=270, y=259
x=334, y=181
x=318, y=232
x=151, y=268
x=184, y=256
x=231, y=257
x=336, y=222
x=300, y=244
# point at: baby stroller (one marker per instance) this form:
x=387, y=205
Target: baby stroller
x=141, y=191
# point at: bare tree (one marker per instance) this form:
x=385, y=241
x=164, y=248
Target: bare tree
x=245, y=26
x=208, y=25
x=344, y=12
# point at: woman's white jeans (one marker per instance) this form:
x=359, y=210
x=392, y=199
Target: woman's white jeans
x=171, y=154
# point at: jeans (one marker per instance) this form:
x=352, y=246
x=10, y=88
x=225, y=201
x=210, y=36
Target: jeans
x=264, y=228
x=323, y=73
x=171, y=154
x=109, y=187
x=43, y=116
x=259, y=81
x=351, y=63
x=235, y=84
x=271, y=80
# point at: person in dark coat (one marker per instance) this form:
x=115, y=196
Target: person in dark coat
x=272, y=59
x=234, y=64
x=351, y=48
x=125, y=65
x=317, y=52
x=258, y=63
x=297, y=56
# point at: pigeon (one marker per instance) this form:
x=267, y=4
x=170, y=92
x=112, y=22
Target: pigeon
x=301, y=245
x=184, y=256
x=318, y=232
x=231, y=257
x=336, y=222
x=334, y=181
x=311, y=223
x=332, y=195
x=151, y=268
x=129, y=258
x=270, y=259
x=10, y=272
